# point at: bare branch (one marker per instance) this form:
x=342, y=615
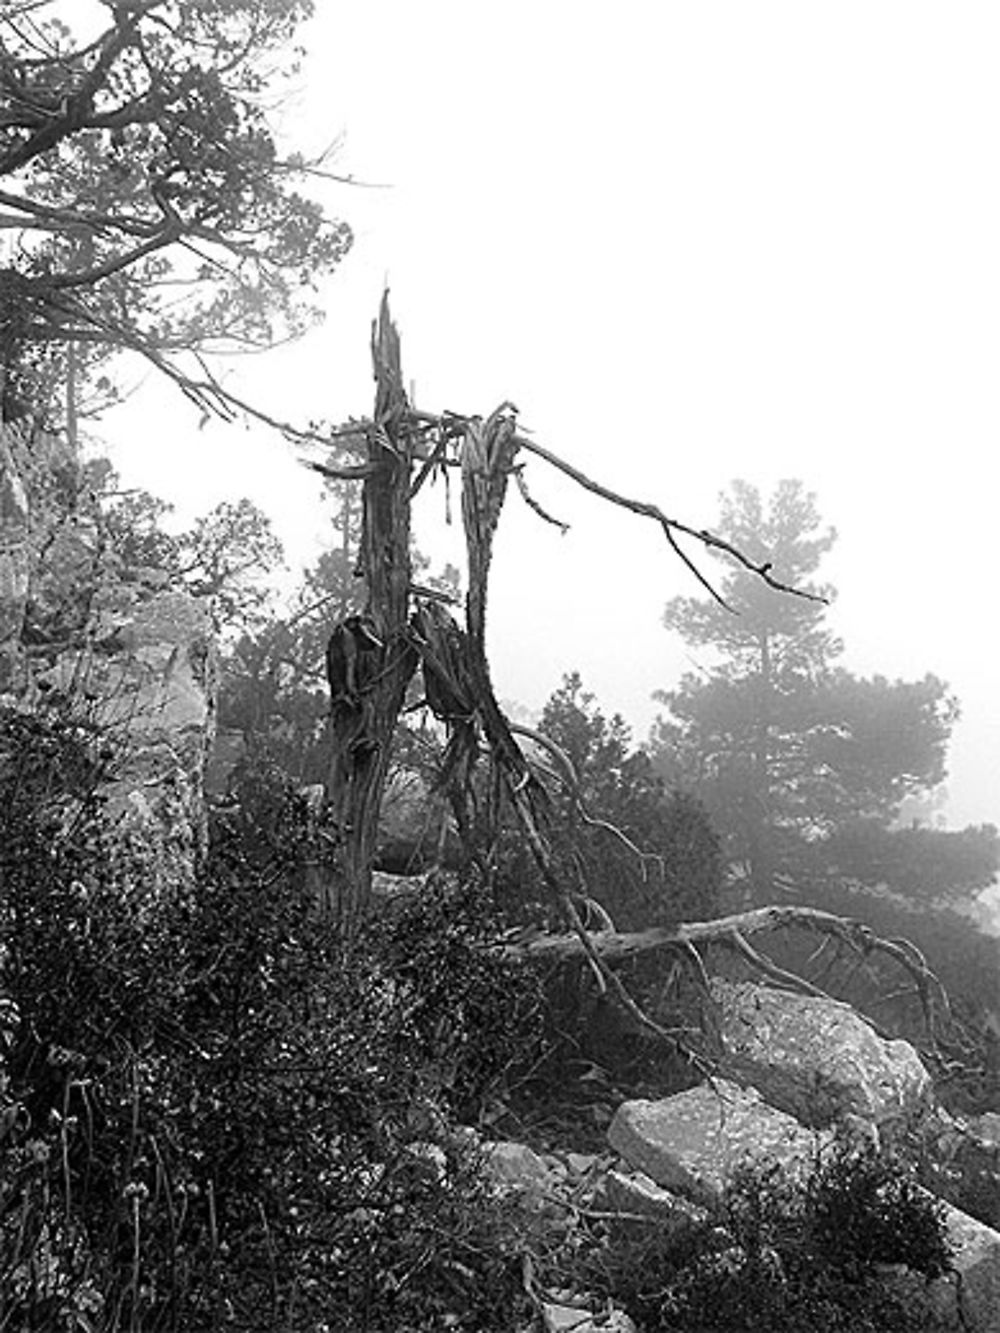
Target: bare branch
x=670, y=526
x=732, y=931
x=532, y=503
x=347, y=472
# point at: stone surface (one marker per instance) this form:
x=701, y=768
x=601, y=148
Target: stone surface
x=987, y=1128
x=977, y=1265
x=817, y=1059
x=14, y=558
x=64, y=580
x=636, y=1193
x=693, y=1142
x=572, y=1319
x=150, y=677
x=515, y=1166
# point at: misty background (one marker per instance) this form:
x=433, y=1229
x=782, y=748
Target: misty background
x=691, y=244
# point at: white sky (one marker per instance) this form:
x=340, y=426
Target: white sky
x=691, y=242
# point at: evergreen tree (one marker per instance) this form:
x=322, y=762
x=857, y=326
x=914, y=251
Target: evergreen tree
x=681, y=873
x=787, y=748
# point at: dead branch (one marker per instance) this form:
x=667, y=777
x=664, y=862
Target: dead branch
x=460, y=692
x=450, y=428
x=670, y=526
x=732, y=931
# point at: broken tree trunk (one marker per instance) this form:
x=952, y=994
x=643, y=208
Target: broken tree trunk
x=370, y=659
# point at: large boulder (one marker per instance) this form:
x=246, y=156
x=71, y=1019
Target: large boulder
x=817, y=1059
x=559, y=1318
x=693, y=1142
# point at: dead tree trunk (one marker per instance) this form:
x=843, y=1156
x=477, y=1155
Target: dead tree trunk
x=370, y=659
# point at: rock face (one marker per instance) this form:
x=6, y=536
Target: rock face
x=156, y=694
x=138, y=657
x=51, y=548
x=817, y=1059
x=693, y=1142
x=14, y=558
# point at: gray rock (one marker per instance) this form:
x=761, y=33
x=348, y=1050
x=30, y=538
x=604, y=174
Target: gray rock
x=987, y=1128
x=153, y=689
x=817, y=1059
x=516, y=1167
x=635, y=1193
x=574, y=1319
x=977, y=1265
x=14, y=558
x=693, y=1142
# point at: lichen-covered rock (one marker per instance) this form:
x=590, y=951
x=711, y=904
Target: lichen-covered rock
x=693, y=1143
x=63, y=582
x=14, y=560
x=987, y=1128
x=51, y=548
x=977, y=1271
x=165, y=702
x=817, y=1059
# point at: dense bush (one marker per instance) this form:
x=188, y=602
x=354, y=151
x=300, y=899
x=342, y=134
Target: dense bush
x=646, y=854
x=212, y=1114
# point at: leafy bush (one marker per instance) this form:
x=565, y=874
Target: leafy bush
x=208, y=1106
x=473, y=1017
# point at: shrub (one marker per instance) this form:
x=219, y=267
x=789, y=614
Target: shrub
x=207, y=1103
x=783, y=1255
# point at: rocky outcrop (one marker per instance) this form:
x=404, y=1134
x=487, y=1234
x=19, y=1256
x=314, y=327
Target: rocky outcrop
x=817, y=1059
x=51, y=549
x=675, y=1156
x=693, y=1142
x=14, y=559
x=137, y=658
x=557, y=1318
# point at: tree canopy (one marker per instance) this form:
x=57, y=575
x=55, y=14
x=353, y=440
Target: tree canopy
x=793, y=754
x=226, y=555
x=145, y=200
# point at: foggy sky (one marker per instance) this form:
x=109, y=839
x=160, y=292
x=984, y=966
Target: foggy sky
x=691, y=243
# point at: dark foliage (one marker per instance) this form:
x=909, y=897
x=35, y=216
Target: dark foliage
x=153, y=210
x=208, y=1107
x=673, y=870
x=804, y=767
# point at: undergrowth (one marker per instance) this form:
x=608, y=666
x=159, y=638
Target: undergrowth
x=781, y=1253
x=212, y=1113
